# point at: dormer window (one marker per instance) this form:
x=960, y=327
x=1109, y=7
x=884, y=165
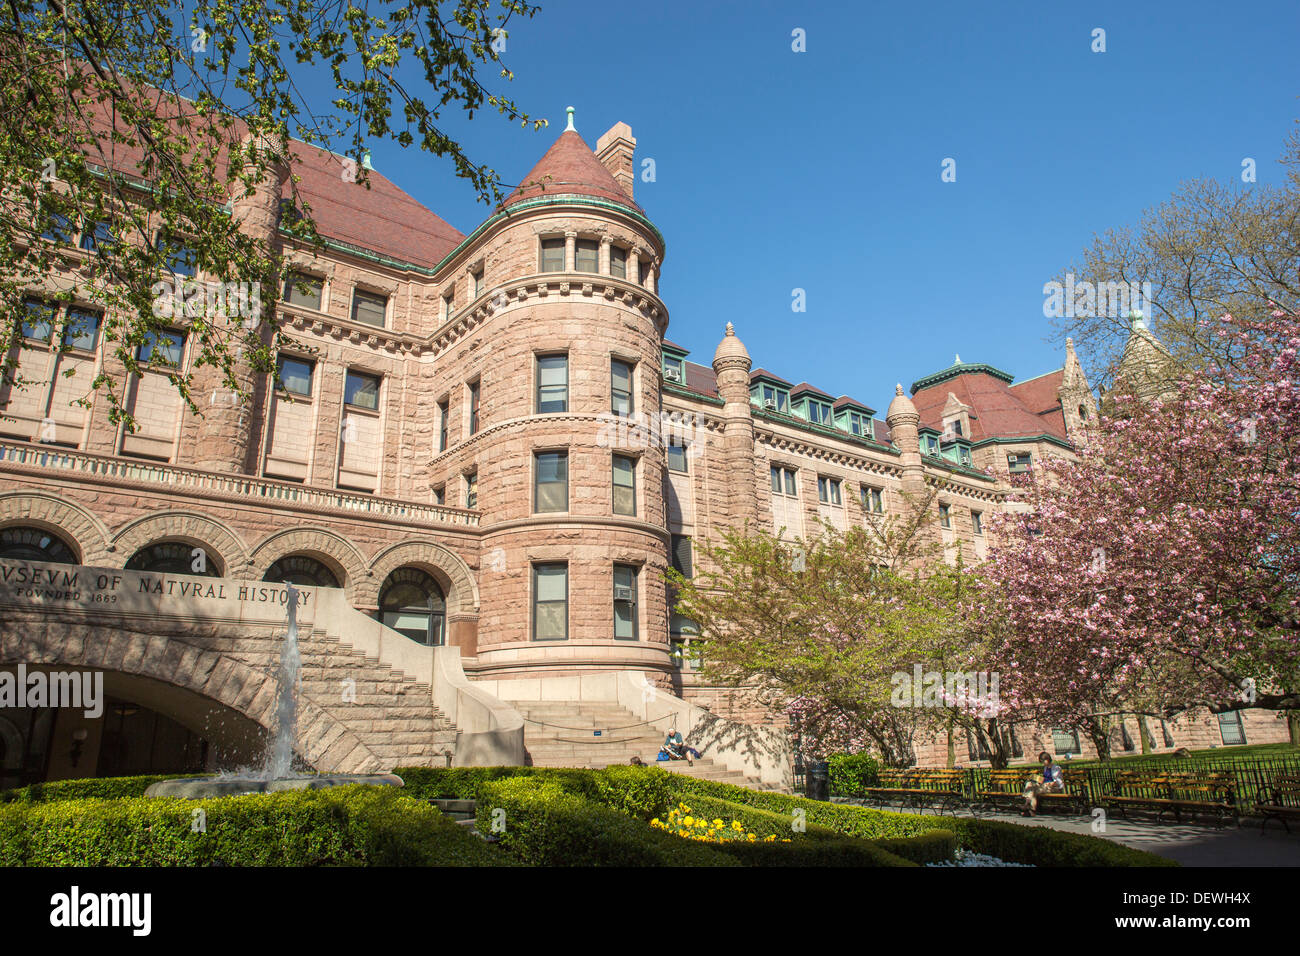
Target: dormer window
x=859, y=425
x=771, y=398
x=819, y=413
x=674, y=369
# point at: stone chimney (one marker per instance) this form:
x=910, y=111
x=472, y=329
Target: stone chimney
x=615, y=151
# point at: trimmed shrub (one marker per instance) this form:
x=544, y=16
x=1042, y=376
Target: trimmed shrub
x=845, y=851
x=1039, y=846
x=342, y=826
x=641, y=792
x=95, y=788
x=545, y=825
x=852, y=774
x=937, y=846
x=459, y=783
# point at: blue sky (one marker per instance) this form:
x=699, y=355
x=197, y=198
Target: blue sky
x=820, y=170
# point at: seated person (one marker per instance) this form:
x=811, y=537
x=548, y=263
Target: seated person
x=677, y=748
x=1053, y=781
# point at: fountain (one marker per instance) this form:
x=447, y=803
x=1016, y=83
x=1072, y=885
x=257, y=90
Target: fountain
x=276, y=772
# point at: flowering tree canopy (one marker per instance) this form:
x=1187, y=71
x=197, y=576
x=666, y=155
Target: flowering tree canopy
x=1161, y=572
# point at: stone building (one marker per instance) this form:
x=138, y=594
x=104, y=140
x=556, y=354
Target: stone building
x=482, y=458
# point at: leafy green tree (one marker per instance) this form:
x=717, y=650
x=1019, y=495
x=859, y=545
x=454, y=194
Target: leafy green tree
x=819, y=628
x=131, y=120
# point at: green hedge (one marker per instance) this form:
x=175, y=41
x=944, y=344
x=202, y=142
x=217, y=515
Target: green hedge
x=937, y=846
x=641, y=792
x=1039, y=846
x=545, y=825
x=852, y=774
x=95, y=788
x=343, y=826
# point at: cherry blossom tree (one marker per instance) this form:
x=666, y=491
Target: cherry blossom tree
x=1161, y=572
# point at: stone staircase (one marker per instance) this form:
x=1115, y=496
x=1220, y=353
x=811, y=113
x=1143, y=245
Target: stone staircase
x=597, y=734
x=392, y=713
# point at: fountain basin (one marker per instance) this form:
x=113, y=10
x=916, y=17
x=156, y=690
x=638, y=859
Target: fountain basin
x=195, y=788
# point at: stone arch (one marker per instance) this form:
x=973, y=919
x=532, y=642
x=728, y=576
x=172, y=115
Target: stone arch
x=155, y=653
x=340, y=554
x=187, y=526
x=446, y=566
x=87, y=535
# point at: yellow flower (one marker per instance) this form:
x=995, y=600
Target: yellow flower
x=689, y=821
x=752, y=838
x=718, y=823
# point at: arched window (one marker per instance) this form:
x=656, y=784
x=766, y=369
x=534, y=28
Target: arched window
x=174, y=557
x=412, y=604
x=301, y=570
x=23, y=543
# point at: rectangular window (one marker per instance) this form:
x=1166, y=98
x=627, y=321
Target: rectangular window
x=443, y=411
x=304, y=290
x=586, y=256
x=60, y=229
x=38, y=322
x=473, y=407
x=161, y=348
x=471, y=490
x=618, y=262
x=945, y=516
x=361, y=390
x=873, y=501
x=624, y=485
x=552, y=383
x=673, y=370
x=1231, y=729
x=368, y=308
x=81, y=329
x=977, y=521
x=551, y=489
x=440, y=495
x=828, y=491
x=856, y=426
x=98, y=237
x=625, y=576
x=476, y=283
x=677, y=458
x=1019, y=464
x=1066, y=742
x=681, y=555
x=818, y=413
x=448, y=306
x=550, y=602
x=783, y=482
x=295, y=376
x=620, y=387
x=552, y=255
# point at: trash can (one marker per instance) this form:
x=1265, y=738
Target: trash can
x=818, y=783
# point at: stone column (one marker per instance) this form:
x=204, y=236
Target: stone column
x=731, y=364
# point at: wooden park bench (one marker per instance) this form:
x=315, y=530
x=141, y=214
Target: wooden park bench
x=1280, y=800
x=1006, y=789
x=1194, y=791
x=918, y=789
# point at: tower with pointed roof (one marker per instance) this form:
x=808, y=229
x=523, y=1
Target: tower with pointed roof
x=1145, y=366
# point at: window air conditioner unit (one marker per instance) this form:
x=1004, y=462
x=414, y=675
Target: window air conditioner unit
x=769, y=403
x=623, y=594
x=672, y=375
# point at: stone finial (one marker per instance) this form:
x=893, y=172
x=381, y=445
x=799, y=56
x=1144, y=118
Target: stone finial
x=1137, y=321
x=570, y=127
x=956, y=359
x=731, y=329
x=898, y=389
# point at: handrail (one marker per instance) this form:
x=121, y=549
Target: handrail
x=29, y=455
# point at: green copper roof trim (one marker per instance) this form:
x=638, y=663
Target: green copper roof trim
x=1022, y=439
x=957, y=467
x=674, y=351
x=822, y=430
x=567, y=199
x=964, y=368
x=688, y=393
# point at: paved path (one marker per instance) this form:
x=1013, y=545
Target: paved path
x=1190, y=845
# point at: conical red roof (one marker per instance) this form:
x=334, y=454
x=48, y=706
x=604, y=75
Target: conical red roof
x=570, y=166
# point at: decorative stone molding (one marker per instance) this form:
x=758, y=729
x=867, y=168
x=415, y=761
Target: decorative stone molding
x=187, y=526
x=452, y=573
x=333, y=550
x=88, y=536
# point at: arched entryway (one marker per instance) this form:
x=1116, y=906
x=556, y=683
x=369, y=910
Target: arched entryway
x=412, y=603
x=29, y=543
x=174, y=557
x=302, y=570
